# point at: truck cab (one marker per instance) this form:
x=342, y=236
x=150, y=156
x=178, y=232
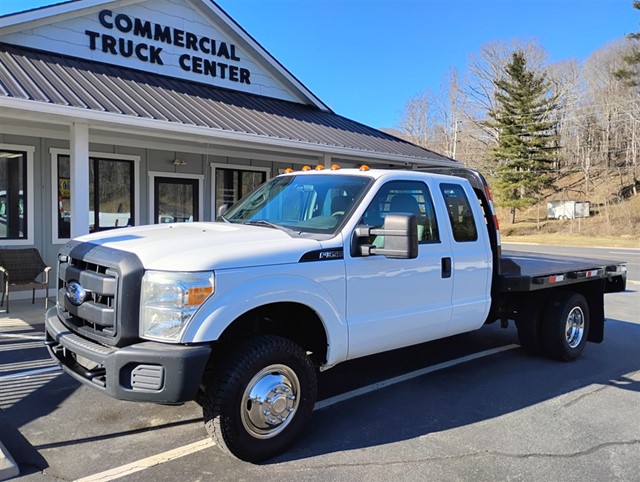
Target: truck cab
x=440, y=290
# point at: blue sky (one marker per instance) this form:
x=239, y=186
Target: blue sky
x=366, y=58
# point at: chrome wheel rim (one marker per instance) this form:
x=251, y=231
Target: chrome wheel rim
x=574, y=327
x=270, y=401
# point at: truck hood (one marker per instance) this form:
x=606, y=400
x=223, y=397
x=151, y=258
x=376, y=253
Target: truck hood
x=202, y=246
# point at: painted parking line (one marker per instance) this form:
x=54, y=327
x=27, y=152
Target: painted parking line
x=30, y=373
x=14, y=389
x=26, y=366
x=163, y=457
x=21, y=345
x=408, y=376
x=16, y=336
x=148, y=462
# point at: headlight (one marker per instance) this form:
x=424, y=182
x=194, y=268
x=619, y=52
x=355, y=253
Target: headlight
x=167, y=301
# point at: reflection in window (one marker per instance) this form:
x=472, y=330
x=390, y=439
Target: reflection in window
x=405, y=197
x=13, y=195
x=233, y=184
x=110, y=194
x=460, y=215
x=302, y=204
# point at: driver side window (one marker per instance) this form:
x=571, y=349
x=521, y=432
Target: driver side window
x=404, y=197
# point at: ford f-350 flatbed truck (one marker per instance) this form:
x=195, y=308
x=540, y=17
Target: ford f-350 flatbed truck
x=311, y=269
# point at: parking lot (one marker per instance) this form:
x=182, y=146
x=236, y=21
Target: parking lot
x=470, y=407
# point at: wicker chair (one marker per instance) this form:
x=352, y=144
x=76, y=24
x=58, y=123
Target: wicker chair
x=23, y=269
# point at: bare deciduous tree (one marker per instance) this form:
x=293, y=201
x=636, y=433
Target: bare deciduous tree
x=597, y=120
x=418, y=119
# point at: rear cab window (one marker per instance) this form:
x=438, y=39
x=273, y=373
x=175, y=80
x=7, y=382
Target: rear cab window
x=463, y=224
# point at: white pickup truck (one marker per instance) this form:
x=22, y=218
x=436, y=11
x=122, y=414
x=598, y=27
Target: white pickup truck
x=310, y=270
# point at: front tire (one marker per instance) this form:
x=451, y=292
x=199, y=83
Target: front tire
x=566, y=326
x=258, y=401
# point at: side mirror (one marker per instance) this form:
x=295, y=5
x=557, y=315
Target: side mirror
x=400, y=233
x=223, y=209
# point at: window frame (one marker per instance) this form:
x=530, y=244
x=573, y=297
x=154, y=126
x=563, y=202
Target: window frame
x=55, y=153
x=29, y=183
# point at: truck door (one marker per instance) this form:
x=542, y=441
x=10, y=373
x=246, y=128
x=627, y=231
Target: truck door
x=393, y=303
x=471, y=260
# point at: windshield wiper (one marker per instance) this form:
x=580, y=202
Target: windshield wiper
x=262, y=222
x=267, y=224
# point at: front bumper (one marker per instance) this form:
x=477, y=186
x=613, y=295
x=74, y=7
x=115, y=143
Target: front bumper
x=146, y=371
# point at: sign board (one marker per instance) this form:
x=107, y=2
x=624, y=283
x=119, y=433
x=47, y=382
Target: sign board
x=166, y=37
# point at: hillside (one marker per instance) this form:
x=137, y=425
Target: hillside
x=614, y=219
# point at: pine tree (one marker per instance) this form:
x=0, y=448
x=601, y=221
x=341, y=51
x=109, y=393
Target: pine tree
x=631, y=73
x=527, y=142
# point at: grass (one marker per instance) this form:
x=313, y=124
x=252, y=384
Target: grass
x=612, y=226
x=573, y=240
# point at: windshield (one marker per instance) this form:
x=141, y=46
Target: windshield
x=315, y=203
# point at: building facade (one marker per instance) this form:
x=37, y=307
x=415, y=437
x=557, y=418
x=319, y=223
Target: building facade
x=129, y=112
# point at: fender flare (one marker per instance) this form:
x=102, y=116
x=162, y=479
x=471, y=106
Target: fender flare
x=219, y=312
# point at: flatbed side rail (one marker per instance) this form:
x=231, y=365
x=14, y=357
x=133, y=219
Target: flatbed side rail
x=615, y=277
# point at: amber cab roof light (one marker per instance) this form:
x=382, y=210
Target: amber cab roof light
x=320, y=167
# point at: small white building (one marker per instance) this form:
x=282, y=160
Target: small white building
x=568, y=209
x=128, y=112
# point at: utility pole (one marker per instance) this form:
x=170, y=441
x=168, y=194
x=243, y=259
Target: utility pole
x=455, y=138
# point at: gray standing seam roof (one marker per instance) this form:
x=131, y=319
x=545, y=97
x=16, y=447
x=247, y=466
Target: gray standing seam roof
x=67, y=81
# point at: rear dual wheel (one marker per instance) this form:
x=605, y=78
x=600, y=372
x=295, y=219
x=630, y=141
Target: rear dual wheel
x=565, y=326
x=559, y=330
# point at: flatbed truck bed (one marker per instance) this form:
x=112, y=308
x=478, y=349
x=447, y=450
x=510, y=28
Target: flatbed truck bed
x=521, y=272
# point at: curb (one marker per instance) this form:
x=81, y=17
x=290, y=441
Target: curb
x=8, y=467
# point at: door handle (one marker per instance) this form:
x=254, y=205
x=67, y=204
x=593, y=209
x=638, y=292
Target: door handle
x=446, y=267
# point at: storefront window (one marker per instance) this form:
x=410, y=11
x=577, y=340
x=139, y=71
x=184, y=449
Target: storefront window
x=110, y=194
x=176, y=200
x=13, y=195
x=232, y=184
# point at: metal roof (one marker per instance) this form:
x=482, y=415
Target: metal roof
x=53, y=79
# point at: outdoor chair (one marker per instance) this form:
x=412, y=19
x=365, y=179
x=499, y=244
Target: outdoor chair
x=23, y=269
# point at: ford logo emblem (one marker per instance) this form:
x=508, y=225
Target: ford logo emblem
x=76, y=293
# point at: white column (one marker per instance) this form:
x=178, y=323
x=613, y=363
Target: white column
x=79, y=179
x=327, y=161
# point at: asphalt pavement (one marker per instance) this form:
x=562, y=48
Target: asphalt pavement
x=470, y=407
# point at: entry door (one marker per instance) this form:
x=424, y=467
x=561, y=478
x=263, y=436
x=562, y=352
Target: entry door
x=393, y=303
x=175, y=200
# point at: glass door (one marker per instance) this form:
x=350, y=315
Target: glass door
x=175, y=200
